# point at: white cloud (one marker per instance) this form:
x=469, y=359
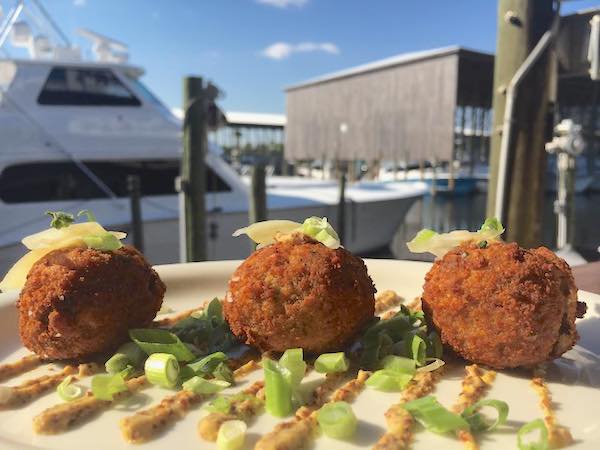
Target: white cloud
x=284, y=3
x=79, y=3
x=282, y=50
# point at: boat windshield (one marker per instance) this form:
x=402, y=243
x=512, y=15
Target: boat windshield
x=147, y=94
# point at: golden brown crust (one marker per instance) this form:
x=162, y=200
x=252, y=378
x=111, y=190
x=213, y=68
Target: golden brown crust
x=299, y=293
x=78, y=301
x=503, y=306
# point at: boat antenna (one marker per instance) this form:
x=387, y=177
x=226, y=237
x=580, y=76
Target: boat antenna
x=10, y=19
x=51, y=21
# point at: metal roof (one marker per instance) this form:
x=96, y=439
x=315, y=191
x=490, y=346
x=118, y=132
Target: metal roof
x=255, y=119
x=404, y=58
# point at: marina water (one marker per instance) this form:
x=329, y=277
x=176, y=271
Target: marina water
x=444, y=213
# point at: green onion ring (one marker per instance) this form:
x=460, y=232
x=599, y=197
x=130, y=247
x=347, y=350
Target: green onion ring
x=293, y=360
x=162, y=369
x=199, y=385
x=278, y=391
x=337, y=420
x=388, y=380
x=476, y=419
x=541, y=444
x=231, y=435
x=332, y=363
x=67, y=391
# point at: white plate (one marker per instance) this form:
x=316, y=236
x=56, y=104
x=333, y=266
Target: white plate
x=574, y=386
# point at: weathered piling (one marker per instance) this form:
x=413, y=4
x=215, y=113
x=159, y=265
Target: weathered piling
x=193, y=170
x=341, y=212
x=434, y=177
x=258, y=195
x=134, y=190
x=521, y=26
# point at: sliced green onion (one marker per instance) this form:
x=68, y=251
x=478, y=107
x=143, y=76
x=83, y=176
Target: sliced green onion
x=223, y=372
x=478, y=422
x=337, y=420
x=206, y=365
x=199, y=385
x=104, y=386
x=161, y=341
x=492, y=224
x=322, y=231
x=541, y=444
x=293, y=360
x=278, y=391
x=221, y=404
x=162, y=369
x=104, y=241
x=433, y=416
x=128, y=354
x=332, y=363
x=388, y=380
x=416, y=348
x=67, y=391
x=232, y=435
x=399, y=364
x=432, y=364
x=434, y=348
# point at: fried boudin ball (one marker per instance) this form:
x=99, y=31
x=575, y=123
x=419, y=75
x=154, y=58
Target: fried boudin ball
x=78, y=301
x=299, y=293
x=502, y=305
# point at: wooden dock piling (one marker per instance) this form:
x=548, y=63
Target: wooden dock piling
x=257, y=211
x=134, y=190
x=193, y=169
x=341, y=212
x=521, y=25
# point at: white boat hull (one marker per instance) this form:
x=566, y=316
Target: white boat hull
x=369, y=226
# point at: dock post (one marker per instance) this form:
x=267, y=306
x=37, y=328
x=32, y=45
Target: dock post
x=193, y=169
x=451, y=180
x=258, y=195
x=341, y=212
x=133, y=187
x=434, y=177
x=522, y=122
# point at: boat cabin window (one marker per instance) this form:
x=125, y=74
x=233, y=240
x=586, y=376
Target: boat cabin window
x=55, y=181
x=74, y=86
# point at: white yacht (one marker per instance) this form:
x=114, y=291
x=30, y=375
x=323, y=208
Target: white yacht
x=73, y=129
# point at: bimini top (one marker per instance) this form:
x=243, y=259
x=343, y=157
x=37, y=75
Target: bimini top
x=392, y=61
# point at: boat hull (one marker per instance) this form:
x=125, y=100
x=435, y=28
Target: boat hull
x=369, y=226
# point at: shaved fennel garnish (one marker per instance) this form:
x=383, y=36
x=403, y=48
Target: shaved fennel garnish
x=269, y=231
x=67, y=234
x=439, y=244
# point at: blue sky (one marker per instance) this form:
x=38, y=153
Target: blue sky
x=253, y=48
